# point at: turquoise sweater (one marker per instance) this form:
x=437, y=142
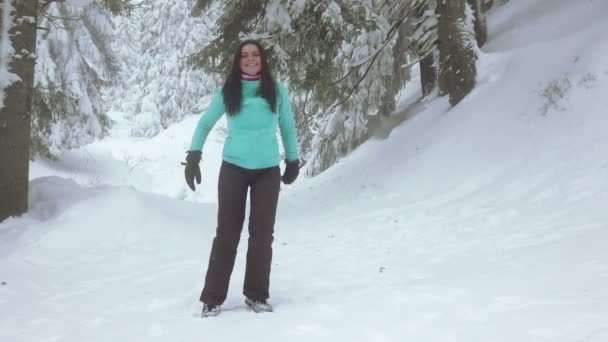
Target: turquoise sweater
x=252, y=139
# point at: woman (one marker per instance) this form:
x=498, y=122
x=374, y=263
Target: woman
x=255, y=105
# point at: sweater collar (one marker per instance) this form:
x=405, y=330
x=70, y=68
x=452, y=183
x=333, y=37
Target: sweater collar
x=250, y=78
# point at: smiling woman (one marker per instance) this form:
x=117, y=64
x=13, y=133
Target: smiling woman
x=250, y=60
x=256, y=105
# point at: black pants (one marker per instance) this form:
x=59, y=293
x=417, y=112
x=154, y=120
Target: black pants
x=233, y=184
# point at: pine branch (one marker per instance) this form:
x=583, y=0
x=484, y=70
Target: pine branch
x=53, y=19
x=200, y=6
x=261, y=17
x=428, y=53
x=350, y=93
x=390, y=35
x=305, y=103
x=117, y=7
x=45, y=4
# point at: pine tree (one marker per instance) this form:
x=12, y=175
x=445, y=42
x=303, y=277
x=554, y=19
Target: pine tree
x=345, y=61
x=71, y=85
x=400, y=51
x=336, y=57
x=457, y=48
x=372, y=77
x=426, y=47
x=157, y=85
x=75, y=64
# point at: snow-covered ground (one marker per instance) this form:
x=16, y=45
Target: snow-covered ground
x=483, y=222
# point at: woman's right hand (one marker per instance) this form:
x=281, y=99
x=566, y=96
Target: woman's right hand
x=193, y=170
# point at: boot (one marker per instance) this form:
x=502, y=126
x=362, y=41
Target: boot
x=258, y=305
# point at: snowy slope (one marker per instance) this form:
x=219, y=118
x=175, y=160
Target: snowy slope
x=483, y=222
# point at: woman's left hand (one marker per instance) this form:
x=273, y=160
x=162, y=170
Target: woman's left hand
x=292, y=170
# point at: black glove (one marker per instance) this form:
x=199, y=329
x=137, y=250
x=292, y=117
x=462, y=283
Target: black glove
x=292, y=169
x=192, y=170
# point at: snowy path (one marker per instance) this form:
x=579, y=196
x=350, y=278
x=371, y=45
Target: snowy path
x=118, y=264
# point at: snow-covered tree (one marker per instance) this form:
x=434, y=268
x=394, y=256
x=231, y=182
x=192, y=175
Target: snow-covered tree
x=426, y=49
x=371, y=76
x=336, y=57
x=346, y=61
x=448, y=34
x=457, y=49
x=157, y=84
x=74, y=65
x=50, y=83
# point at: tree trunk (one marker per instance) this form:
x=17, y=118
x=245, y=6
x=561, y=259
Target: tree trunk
x=428, y=71
x=481, y=25
x=428, y=74
x=456, y=50
x=399, y=74
x=442, y=83
x=15, y=117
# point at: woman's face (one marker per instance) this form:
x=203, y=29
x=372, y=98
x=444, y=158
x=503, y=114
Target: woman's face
x=251, y=63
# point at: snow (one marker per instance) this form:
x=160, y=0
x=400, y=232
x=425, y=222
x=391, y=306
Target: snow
x=483, y=222
x=278, y=16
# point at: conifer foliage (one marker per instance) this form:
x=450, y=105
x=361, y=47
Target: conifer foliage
x=74, y=65
x=157, y=86
x=54, y=62
x=336, y=56
x=346, y=61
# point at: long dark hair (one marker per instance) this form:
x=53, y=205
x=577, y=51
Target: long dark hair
x=232, y=87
